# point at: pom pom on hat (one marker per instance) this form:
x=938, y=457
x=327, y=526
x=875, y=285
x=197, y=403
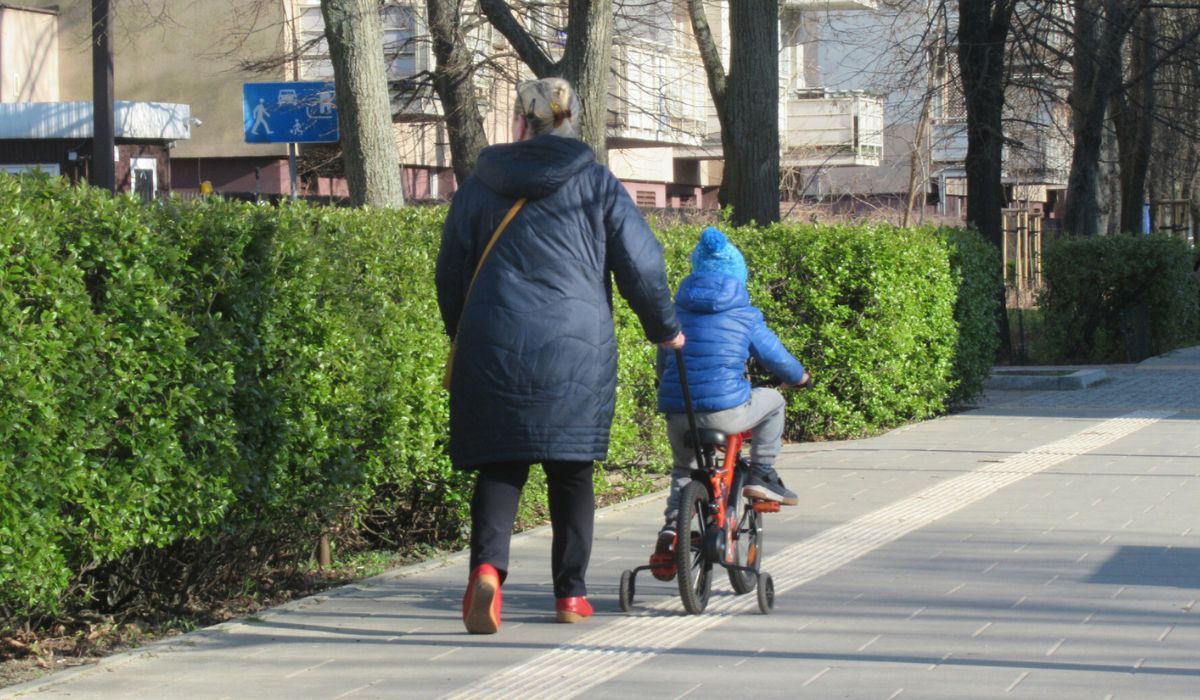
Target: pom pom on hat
x=714, y=253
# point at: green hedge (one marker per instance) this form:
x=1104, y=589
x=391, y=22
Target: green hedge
x=975, y=265
x=1117, y=298
x=212, y=371
x=204, y=381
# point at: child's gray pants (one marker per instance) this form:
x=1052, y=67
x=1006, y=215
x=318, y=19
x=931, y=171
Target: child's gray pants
x=763, y=414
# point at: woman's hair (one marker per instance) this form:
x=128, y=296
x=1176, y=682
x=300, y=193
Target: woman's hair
x=549, y=106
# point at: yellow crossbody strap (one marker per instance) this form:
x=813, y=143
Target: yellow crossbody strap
x=499, y=229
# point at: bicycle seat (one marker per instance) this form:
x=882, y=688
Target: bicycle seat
x=708, y=436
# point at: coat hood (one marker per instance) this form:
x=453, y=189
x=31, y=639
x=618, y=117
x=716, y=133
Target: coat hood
x=534, y=168
x=711, y=292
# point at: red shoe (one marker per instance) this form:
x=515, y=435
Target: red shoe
x=481, y=601
x=662, y=561
x=574, y=609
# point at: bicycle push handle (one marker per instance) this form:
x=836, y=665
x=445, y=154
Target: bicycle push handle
x=687, y=402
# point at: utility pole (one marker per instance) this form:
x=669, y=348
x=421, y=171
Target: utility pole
x=104, y=172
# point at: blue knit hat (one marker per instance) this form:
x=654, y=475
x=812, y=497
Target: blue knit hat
x=714, y=253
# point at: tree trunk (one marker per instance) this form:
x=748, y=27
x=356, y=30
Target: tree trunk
x=747, y=102
x=983, y=30
x=1099, y=32
x=455, y=87
x=355, y=35
x=586, y=64
x=750, y=131
x=1133, y=117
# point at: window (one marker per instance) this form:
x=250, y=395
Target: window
x=399, y=41
x=548, y=23
x=949, y=103
x=311, y=43
x=48, y=168
x=144, y=178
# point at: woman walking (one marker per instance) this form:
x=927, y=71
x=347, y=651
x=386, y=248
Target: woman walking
x=530, y=248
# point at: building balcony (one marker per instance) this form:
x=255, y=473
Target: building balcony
x=413, y=101
x=659, y=96
x=1038, y=154
x=949, y=142
x=827, y=128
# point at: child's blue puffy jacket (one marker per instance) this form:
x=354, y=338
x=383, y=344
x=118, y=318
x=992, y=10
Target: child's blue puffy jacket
x=723, y=330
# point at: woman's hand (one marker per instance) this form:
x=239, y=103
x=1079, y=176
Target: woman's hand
x=674, y=343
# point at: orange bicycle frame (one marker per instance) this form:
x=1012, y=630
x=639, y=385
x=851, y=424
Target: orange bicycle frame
x=721, y=480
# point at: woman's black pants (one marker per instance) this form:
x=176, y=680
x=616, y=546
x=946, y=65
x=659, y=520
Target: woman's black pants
x=572, y=513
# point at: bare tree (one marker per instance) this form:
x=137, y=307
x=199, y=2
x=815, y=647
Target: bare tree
x=586, y=55
x=747, y=102
x=355, y=37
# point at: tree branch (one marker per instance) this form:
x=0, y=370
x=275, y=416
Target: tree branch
x=501, y=17
x=708, y=50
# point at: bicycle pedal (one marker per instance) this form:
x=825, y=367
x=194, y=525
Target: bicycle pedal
x=662, y=566
x=764, y=506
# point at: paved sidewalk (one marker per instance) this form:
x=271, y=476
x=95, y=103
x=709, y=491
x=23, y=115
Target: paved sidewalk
x=1045, y=544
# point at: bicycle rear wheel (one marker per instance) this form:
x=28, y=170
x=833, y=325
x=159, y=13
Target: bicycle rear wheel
x=747, y=536
x=694, y=569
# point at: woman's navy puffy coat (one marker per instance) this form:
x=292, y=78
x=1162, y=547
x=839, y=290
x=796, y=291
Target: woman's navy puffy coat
x=723, y=330
x=535, y=370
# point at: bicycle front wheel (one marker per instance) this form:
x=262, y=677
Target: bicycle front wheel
x=694, y=569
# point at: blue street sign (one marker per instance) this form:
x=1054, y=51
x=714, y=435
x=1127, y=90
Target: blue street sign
x=298, y=112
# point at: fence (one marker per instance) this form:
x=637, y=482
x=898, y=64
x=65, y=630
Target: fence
x=1173, y=217
x=1022, y=256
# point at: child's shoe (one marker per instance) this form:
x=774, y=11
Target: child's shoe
x=482, y=600
x=662, y=561
x=765, y=483
x=573, y=609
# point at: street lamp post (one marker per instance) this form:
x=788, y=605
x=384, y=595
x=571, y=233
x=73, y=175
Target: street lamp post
x=104, y=172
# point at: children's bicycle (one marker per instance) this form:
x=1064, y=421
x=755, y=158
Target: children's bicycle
x=716, y=524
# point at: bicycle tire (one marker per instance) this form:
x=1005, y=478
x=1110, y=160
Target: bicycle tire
x=626, y=591
x=694, y=570
x=766, y=593
x=747, y=537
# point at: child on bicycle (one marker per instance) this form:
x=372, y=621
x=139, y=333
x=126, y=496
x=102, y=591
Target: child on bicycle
x=723, y=331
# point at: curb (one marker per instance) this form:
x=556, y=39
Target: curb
x=1017, y=381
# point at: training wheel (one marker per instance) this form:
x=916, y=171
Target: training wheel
x=626, y=590
x=766, y=593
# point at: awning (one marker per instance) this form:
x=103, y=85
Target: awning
x=159, y=121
